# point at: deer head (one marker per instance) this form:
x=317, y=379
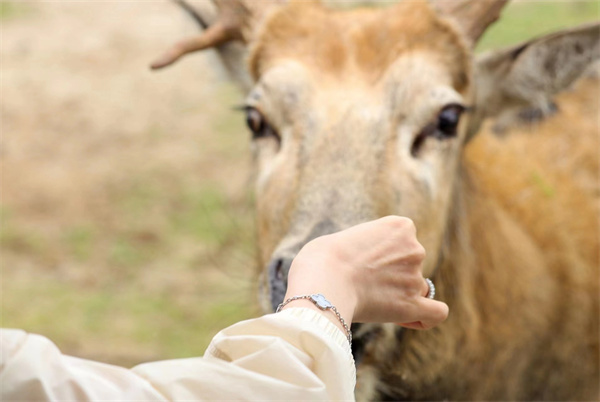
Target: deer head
x=358, y=114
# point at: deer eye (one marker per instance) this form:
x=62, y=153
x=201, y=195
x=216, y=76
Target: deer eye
x=258, y=125
x=448, y=119
x=443, y=127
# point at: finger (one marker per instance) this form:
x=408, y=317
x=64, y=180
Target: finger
x=431, y=313
x=424, y=288
x=412, y=325
x=380, y=229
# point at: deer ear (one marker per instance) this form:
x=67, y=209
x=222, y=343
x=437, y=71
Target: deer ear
x=528, y=75
x=472, y=17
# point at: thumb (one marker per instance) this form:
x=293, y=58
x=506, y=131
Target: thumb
x=432, y=313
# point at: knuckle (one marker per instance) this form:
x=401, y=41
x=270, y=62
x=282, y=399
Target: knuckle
x=396, y=221
x=400, y=224
x=417, y=284
x=410, y=225
x=415, y=255
x=419, y=251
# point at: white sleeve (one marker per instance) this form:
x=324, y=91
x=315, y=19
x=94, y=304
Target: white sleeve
x=295, y=354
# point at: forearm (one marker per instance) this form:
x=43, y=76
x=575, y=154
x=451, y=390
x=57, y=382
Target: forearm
x=32, y=368
x=292, y=355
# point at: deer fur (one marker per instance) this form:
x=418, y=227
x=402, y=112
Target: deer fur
x=520, y=274
x=510, y=223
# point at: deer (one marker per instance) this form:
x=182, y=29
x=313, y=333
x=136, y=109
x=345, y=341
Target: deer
x=359, y=113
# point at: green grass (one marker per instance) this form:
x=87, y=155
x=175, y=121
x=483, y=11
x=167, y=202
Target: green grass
x=124, y=253
x=157, y=279
x=12, y=9
x=22, y=240
x=525, y=20
x=153, y=324
x=203, y=215
x=80, y=242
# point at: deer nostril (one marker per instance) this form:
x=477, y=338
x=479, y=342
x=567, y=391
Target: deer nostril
x=279, y=270
x=277, y=274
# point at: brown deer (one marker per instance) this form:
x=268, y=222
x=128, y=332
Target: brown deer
x=357, y=114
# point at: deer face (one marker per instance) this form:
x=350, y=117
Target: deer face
x=359, y=114
x=363, y=113
x=360, y=123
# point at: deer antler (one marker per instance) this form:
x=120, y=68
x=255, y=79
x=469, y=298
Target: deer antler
x=236, y=21
x=473, y=16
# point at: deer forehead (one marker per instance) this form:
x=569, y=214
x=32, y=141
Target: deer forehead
x=329, y=129
x=364, y=42
x=409, y=95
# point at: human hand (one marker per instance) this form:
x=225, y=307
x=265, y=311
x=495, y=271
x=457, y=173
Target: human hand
x=371, y=272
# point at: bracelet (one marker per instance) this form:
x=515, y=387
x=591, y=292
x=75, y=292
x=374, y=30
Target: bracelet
x=321, y=302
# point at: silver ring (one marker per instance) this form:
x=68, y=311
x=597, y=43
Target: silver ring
x=431, y=292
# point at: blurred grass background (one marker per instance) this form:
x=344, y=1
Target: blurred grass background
x=525, y=19
x=126, y=209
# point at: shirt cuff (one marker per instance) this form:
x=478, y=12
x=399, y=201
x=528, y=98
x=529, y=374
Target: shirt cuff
x=328, y=328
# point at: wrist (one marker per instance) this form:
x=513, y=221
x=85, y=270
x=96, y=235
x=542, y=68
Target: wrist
x=318, y=302
x=335, y=290
x=318, y=269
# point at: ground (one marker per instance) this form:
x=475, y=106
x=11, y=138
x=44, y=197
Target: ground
x=126, y=207
x=126, y=217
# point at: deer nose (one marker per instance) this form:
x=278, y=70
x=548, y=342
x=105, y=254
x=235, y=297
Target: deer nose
x=278, y=270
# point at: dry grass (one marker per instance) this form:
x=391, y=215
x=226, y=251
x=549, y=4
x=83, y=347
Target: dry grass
x=126, y=221
x=126, y=213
